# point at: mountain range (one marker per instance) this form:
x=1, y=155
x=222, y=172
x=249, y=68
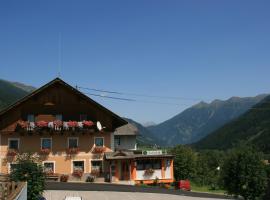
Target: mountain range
x=251, y=128
x=216, y=125
x=201, y=119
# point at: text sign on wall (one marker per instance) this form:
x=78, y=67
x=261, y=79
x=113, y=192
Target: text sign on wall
x=153, y=153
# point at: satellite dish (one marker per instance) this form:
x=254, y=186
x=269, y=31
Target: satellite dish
x=99, y=127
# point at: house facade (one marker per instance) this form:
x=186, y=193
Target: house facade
x=70, y=133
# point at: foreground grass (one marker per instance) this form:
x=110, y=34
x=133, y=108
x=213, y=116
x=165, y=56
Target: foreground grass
x=197, y=188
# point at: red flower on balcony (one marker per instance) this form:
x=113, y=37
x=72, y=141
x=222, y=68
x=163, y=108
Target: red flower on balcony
x=45, y=151
x=12, y=152
x=78, y=173
x=22, y=124
x=73, y=150
x=58, y=123
x=72, y=124
x=99, y=150
x=87, y=124
x=42, y=124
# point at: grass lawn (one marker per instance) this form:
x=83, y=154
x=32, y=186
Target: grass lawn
x=197, y=188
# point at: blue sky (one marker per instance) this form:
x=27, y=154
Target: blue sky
x=202, y=50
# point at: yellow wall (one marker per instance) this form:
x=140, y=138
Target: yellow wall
x=63, y=161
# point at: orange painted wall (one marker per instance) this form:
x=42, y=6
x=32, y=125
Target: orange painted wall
x=32, y=143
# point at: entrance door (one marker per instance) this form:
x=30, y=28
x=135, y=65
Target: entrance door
x=125, y=173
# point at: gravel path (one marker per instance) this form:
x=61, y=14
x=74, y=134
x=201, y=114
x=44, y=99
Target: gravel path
x=109, y=195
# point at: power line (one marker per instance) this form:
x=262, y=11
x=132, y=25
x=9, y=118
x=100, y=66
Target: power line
x=140, y=95
x=133, y=100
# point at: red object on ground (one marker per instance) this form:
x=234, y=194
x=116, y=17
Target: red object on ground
x=184, y=185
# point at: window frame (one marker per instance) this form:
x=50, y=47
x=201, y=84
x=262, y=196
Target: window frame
x=41, y=139
x=81, y=160
x=77, y=138
x=32, y=115
x=17, y=139
x=144, y=163
x=103, y=145
x=117, y=140
x=56, y=115
x=50, y=162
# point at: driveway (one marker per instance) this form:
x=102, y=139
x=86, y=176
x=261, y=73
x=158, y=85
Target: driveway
x=111, y=191
x=108, y=195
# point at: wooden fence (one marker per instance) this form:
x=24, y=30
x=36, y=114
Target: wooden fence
x=10, y=190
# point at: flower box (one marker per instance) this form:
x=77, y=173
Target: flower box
x=64, y=178
x=149, y=172
x=12, y=152
x=72, y=124
x=22, y=124
x=74, y=150
x=78, y=173
x=45, y=151
x=87, y=124
x=99, y=150
x=42, y=124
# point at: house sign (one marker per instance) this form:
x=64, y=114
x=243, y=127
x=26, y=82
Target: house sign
x=153, y=153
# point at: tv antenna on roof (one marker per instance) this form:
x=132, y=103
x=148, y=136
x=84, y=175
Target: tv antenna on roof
x=59, y=54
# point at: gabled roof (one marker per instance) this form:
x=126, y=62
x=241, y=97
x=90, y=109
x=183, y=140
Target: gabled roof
x=128, y=129
x=120, y=121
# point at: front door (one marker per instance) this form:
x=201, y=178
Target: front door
x=125, y=173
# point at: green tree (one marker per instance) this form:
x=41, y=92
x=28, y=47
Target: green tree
x=184, y=162
x=244, y=173
x=29, y=169
x=207, y=168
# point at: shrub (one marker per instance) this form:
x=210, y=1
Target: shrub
x=90, y=179
x=64, y=178
x=29, y=170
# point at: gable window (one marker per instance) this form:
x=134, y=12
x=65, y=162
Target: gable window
x=117, y=141
x=99, y=141
x=49, y=167
x=59, y=117
x=13, y=143
x=73, y=142
x=31, y=118
x=83, y=117
x=78, y=165
x=46, y=143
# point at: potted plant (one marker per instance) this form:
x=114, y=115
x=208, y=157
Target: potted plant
x=72, y=125
x=45, y=151
x=64, y=178
x=58, y=125
x=73, y=150
x=87, y=124
x=12, y=152
x=78, y=173
x=149, y=172
x=99, y=149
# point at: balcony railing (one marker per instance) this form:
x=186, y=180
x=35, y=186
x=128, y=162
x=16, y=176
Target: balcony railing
x=56, y=125
x=12, y=190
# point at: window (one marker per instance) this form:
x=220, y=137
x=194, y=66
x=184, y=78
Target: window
x=99, y=141
x=83, y=117
x=78, y=165
x=96, y=166
x=72, y=142
x=117, y=141
x=46, y=143
x=148, y=164
x=13, y=143
x=31, y=118
x=59, y=117
x=49, y=167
